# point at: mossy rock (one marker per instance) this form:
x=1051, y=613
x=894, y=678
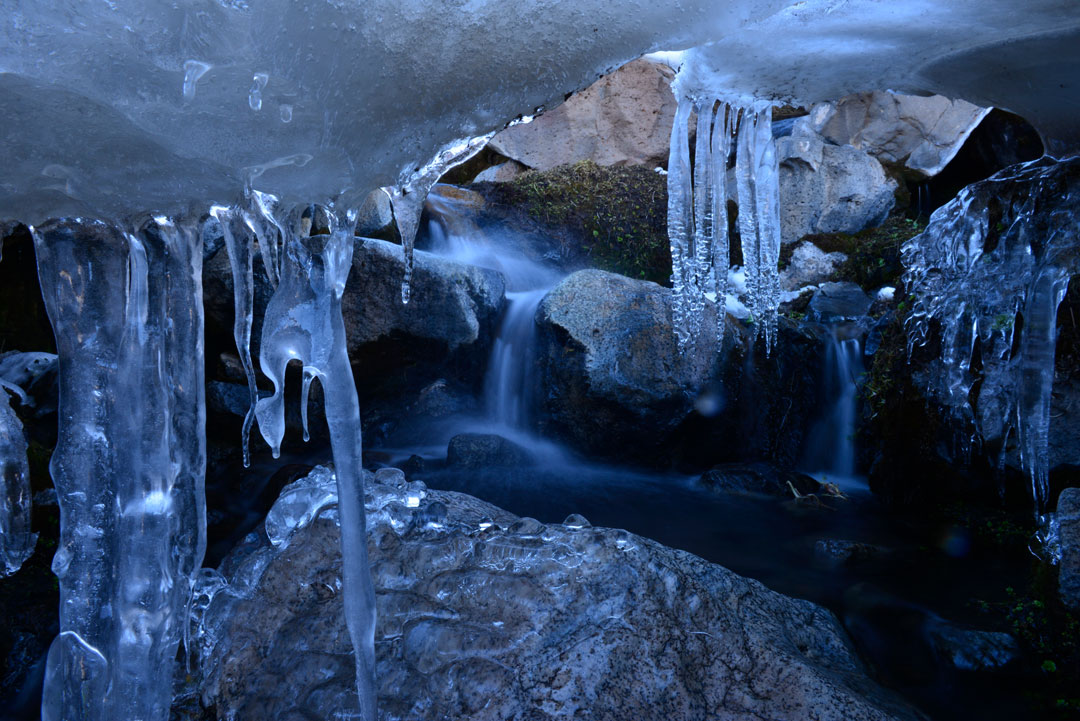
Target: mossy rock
x=611, y=218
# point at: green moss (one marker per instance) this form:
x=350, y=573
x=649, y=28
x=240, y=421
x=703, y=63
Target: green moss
x=618, y=214
x=873, y=254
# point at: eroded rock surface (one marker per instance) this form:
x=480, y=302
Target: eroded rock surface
x=483, y=615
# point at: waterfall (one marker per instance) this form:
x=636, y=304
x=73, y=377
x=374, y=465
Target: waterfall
x=830, y=450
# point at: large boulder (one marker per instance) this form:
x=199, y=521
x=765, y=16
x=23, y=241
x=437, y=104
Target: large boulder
x=616, y=385
x=921, y=134
x=827, y=188
x=483, y=615
x=1068, y=519
x=622, y=119
x=484, y=450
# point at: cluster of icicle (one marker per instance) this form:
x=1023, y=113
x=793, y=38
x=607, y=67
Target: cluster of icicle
x=698, y=225
x=986, y=279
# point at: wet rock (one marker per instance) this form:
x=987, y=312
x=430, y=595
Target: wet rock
x=841, y=301
x=920, y=133
x=829, y=188
x=35, y=375
x=965, y=649
x=622, y=119
x=835, y=552
x=763, y=479
x=1068, y=518
x=484, y=450
x=482, y=615
x=809, y=265
x=375, y=218
x=501, y=173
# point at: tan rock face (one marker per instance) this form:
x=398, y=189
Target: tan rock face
x=622, y=119
x=921, y=133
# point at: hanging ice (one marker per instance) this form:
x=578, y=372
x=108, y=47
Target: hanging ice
x=129, y=462
x=16, y=541
x=698, y=218
x=986, y=279
x=303, y=323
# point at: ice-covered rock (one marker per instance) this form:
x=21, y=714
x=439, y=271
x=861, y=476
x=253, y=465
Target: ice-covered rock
x=920, y=133
x=483, y=615
x=828, y=188
x=841, y=301
x=17, y=542
x=622, y=119
x=987, y=277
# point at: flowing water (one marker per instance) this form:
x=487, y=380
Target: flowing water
x=830, y=451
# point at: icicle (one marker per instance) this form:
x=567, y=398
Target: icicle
x=767, y=215
x=240, y=244
x=721, y=253
x=680, y=220
x=303, y=322
x=746, y=189
x=129, y=462
x=305, y=391
x=16, y=541
x=407, y=198
x=699, y=267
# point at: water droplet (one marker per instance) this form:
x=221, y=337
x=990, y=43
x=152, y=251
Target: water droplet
x=286, y=113
x=258, y=82
x=193, y=70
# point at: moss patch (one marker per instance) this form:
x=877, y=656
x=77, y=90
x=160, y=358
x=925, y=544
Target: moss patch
x=618, y=215
x=873, y=254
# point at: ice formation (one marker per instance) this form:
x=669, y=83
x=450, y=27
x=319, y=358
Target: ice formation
x=698, y=215
x=129, y=462
x=303, y=323
x=16, y=541
x=986, y=279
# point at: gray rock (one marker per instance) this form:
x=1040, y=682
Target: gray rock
x=921, y=133
x=1068, y=518
x=839, y=301
x=484, y=450
x=809, y=265
x=482, y=615
x=501, y=173
x=829, y=188
x=376, y=217
x=622, y=119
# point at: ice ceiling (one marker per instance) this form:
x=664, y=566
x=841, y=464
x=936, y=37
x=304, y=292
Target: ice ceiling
x=109, y=107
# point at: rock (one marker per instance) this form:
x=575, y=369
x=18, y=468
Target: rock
x=622, y=119
x=616, y=385
x=34, y=377
x=482, y=615
x=834, y=552
x=920, y=133
x=484, y=450
x=965, y=649
x=376, y=217
x=841, y=301
x=501, y=173
x=829, y=188
x=757, y=479
x=445, y=331
x=1068, y=519
x=809, y=265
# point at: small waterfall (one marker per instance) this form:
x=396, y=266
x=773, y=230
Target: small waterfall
x=830, y=454
x=510, y=380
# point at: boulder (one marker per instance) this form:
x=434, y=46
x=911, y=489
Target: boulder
x=622, y=119
x=616, y=386
x=968, y=649
x=809, y=265
x=920, y=133
x=828, y=188
x=501, y=173
x=375, y=218
x=763, y=479
x=484, y=450
x=1068, y=519
x=836, y=552
x=483, y=615
x=834, y=302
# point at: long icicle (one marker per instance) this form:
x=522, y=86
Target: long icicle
x=680, y=220
x=721, y=251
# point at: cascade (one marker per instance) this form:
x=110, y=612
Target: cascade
x=698, y=215
x=129, y=462
x=831, y=447
x=986, y=279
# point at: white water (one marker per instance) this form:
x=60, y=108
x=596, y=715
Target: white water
x=830, y=450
